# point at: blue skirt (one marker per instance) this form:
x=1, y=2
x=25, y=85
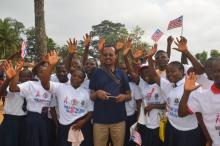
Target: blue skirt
x=63, y=131
x=149, y=137
x=130, y=120
x=12, y=131
x=51, y=132
x=36, y=130
x=174, y=137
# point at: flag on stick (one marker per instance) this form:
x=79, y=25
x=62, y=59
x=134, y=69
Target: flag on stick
x=23, y=49
x=178, y=22
x=157, y=35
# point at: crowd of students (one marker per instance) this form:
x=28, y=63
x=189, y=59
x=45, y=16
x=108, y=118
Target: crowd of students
x=81, y=102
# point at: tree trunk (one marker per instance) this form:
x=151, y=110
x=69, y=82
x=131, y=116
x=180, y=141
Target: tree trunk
x=41, y=39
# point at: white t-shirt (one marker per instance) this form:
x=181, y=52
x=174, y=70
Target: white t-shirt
x=36, y=96
x=207, y=103
x=204, y=81
x=173, y=96
x=13, y=104
x=151, y=94
x=135, y=95
x=85, y=84
x=72, y=103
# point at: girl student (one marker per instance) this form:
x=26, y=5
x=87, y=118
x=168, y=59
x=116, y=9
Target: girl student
x=38, y=101
x=179, y=131
x=12, y=129
x=152, y=107
x=205, y=101
x=74, y=104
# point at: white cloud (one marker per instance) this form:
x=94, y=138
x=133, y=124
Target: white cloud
x=68, y=18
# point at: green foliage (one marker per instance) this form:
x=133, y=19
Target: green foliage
x=214, y=53
x=10, y=36
x=32, y=46
x=202, y=57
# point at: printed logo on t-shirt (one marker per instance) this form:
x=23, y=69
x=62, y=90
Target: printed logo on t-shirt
x=172, y=107
x=176, y=101
x=72, y=106
x=217, y=121
x=149, y=94
x=42, y=98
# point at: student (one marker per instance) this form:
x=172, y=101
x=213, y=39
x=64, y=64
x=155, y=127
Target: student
x=205, y=101
x=152, y=105
x=12, y=128
x=74, y=103
x=132, y=107
x=179, y=131
x=38, y=101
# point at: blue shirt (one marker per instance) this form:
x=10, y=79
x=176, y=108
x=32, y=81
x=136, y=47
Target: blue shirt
x=108, y=111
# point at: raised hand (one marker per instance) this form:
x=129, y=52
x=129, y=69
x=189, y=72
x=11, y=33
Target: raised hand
x=19, y=65
x=120, y=44
x=52, y=57
x=152, y=51
x=170, y=40
x=190, y=83
x=8, y=69
x=128, y=46
x=87, y=40
x=101, y=44
x=138, y=53
x=72, y=46
x=181, y=44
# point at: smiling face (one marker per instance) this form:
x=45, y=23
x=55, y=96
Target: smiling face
x=109, y=56
x=174, y=72
x=161, y=60
x=77, y=77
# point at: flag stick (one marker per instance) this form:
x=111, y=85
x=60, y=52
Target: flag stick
x=182, y=28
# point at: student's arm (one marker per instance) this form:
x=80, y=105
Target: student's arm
x=153, y=73
x=182, y=47
x=72, y=46
x=87, y=40
x=138, y=106
x=134, y=75
x=204, y=129
x=188, y=88
x=54, y=115
x=4, y=86
x=82, y=121
x=148, y=108
x=13, y=75
x=52, y=61
x=170, y=40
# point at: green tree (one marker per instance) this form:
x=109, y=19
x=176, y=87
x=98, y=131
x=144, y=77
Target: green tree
x=214, y=53
x=32, y=44
x=41, y=39
x=10, y=36
x=202, y=57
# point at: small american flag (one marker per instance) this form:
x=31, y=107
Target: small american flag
x=136, y=137
x=23, y=49
x=178, y=22
x=157, y=35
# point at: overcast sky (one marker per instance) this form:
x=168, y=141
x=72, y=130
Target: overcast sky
x=73, y=18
